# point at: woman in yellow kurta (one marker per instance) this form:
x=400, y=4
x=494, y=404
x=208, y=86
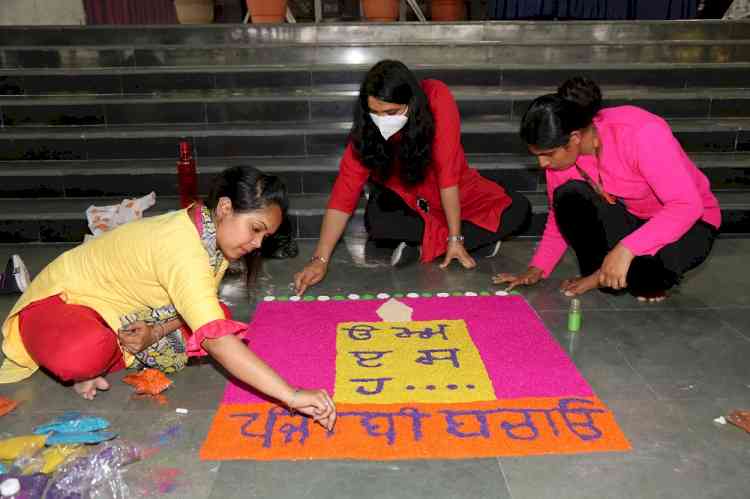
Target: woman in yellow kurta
x=148, y=291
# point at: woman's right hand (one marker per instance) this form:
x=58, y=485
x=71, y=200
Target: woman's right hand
x=312, y=274
x=316, y=404
x=532, y=276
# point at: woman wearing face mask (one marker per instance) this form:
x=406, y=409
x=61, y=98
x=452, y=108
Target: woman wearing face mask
x=146, y=295
x=425, y=200
x=622, y=193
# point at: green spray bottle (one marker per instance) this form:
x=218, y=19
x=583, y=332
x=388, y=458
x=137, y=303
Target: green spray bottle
x=574, y=315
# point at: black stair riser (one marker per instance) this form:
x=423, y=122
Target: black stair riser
x=523, y=178
x=295, y=110
x=19, y=82
x=49, y=148
x=736, y=223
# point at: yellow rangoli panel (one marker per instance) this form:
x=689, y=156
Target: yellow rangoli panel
x=417, y=361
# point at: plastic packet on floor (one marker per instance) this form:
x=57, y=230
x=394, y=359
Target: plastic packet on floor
x=30, y=487
x=7, y=406
x=740, y=419
x=98, y=475
x=14, y=448
x=48, y=459
x=72, y=422
x=148, y=381
x=74, y=428
x=103, y=218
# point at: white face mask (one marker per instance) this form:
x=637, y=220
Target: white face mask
x=389, y=125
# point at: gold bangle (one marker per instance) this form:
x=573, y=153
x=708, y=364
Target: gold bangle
x=319, y=258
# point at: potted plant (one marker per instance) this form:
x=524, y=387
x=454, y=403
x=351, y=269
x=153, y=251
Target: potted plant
x=267, y=11
x=194, y=11
x=448, y=10
x=380, y=10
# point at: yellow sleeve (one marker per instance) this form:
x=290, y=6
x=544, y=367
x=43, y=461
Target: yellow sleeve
x=183, y=270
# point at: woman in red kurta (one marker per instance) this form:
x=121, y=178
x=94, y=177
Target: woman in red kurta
x=424, y=198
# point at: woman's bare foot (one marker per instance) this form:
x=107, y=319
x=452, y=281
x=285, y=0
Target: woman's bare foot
x=87, y=389
x=580, y=285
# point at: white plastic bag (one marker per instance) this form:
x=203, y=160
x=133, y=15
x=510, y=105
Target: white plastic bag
x=104, y=218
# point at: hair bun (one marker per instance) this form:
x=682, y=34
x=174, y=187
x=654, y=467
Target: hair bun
x=583, y=92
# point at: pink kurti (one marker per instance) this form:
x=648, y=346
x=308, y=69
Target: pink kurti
x=644, y=166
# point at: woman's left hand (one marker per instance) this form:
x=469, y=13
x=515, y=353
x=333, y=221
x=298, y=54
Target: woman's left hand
x=137, y=336
x=456, y=251
x=614, y=270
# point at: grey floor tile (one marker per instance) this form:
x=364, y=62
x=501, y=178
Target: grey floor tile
x=596, y=353
x=173, y=468
x=41, y=394
x=669, y=460
x=686, y=353
x=738, y=319
x=235, y=479
x=728, y=439
x=665, y=370
x=391, y=480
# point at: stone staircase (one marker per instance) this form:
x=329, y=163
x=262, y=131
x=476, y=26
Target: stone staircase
x=91, y=115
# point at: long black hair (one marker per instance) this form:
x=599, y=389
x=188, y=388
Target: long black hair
x=551, y=118
x=391, y=81
x=248, y=189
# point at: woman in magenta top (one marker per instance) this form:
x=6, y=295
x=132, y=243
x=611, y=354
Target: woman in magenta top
x=424, y=199
x=622, y=192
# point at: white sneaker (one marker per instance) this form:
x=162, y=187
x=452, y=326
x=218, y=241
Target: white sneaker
x=494, y=250
x=16, y=278
x=405, y=254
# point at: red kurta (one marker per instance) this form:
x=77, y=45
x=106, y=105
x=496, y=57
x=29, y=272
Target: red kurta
x=482, y=201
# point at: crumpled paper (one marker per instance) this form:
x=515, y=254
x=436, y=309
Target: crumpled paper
x=104, y=218
x=739, y=9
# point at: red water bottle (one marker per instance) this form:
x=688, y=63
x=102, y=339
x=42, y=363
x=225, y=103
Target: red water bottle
x=187, y=176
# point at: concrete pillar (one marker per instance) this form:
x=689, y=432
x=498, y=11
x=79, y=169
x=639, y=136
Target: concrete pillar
x=42, y=12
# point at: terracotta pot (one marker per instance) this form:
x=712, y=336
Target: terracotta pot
x=380, y=10
x=194, y=11
x=448, y=10
x=267, y=11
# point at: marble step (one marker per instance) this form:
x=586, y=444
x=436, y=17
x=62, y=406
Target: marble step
x=302, y=175
x=63, y=220
x=325, y=103
x=299, y=139
x=308, y=77
x=447, y=52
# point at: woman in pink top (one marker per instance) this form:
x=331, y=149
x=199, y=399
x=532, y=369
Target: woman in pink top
x=622, y=192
